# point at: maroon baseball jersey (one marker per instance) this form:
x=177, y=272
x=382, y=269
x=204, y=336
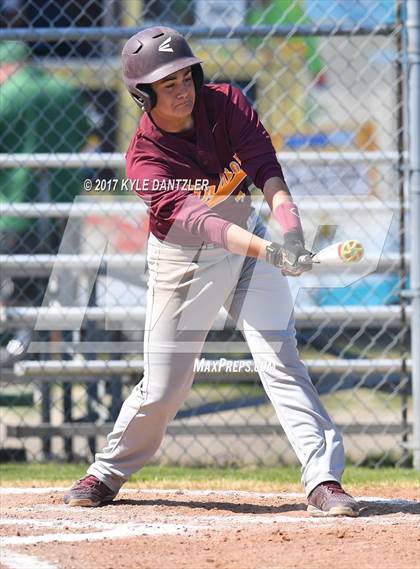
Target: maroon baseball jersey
x=194, y=182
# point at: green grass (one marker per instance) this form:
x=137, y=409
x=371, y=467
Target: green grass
x=263, y=478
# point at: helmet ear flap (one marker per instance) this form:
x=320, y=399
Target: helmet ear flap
x=197, y=75
x=146, y=97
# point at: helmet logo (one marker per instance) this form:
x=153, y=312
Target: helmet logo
x=164, y=46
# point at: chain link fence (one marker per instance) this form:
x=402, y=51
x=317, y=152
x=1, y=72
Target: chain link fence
x=328, y=80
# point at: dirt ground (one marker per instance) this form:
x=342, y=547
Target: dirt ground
x=174, y=529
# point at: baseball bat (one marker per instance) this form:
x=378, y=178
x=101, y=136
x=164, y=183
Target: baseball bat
x=340, y=253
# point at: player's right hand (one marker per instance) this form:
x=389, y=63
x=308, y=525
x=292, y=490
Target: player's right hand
x=291, y=257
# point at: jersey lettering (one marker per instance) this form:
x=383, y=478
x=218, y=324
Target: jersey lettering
x=229, y=180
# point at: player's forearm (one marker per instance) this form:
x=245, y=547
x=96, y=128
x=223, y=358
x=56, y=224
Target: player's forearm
x=242, y=242
x=284, y=209
x=276, y=192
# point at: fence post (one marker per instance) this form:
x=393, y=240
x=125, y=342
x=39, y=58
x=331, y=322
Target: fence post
x=413, y=62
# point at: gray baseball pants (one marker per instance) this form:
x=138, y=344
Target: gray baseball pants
x=186, y=291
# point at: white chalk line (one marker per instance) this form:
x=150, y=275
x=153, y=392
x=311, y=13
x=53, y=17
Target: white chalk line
x=54, y=523
x=120, y=532
x=14, y=560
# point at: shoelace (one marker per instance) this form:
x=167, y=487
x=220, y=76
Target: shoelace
x=90, y=481
x=334, y=488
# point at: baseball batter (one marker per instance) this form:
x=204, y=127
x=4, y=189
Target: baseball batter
x=190, y=157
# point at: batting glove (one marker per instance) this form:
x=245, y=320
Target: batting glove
x=291, y=257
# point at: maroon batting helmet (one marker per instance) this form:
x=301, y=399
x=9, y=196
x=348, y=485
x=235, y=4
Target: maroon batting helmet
x=151, y=55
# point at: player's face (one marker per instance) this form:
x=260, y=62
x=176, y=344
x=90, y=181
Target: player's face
x=175, y=95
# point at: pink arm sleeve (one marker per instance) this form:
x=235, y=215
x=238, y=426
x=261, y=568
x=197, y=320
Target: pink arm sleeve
x=287, y=214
